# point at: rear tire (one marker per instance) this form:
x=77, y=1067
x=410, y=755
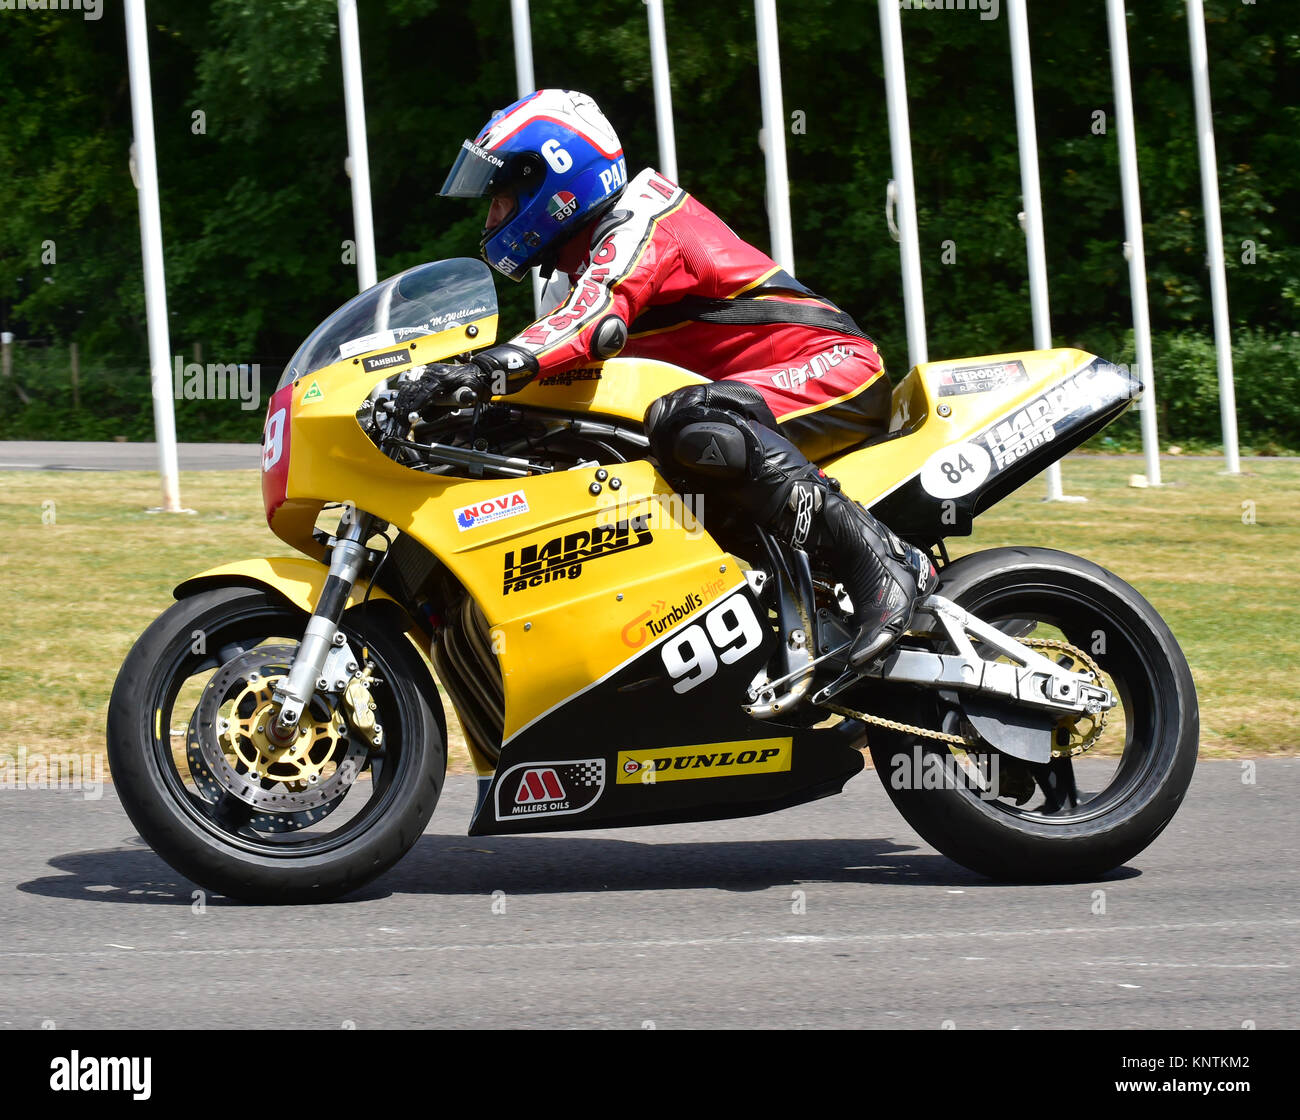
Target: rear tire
x=218, y=845
x=1059, y=841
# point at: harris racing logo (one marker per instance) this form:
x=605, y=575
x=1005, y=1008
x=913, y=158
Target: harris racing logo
x=563, y=557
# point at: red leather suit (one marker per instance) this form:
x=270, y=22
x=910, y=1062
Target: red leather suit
x=693, y=293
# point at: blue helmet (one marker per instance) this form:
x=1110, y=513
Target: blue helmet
x=559, y=158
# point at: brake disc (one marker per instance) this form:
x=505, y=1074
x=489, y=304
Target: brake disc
x=229, y=751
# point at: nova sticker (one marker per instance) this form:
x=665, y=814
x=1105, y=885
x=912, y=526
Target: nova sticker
x=492, y=509
x=549, y=789
x=711, y=760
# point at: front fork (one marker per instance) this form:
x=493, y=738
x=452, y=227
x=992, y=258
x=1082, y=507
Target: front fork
x=324, y=663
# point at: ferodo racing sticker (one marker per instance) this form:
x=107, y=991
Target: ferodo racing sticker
x=981, y=379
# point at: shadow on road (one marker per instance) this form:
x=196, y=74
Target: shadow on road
x=457, y=865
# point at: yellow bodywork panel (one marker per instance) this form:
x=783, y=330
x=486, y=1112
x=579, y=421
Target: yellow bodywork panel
x=332, y=460
x=300, y=581
x=620, y=387
x=568, y=568
x=296, y=578
x=930, y=406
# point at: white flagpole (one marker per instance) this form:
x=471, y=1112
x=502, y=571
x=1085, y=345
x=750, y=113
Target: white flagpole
x=778, y=178
x=900, y=149
x=525, y=84
x=1027, y=134
x=1134, y=248
x=354, y=103
x=1213, y=232
x=155, y=284
x=663, y=91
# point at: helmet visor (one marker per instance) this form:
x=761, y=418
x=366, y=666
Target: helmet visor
x=475, y=173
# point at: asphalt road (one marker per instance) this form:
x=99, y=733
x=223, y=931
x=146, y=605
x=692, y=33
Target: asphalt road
x=19, y=455
x=682, y=926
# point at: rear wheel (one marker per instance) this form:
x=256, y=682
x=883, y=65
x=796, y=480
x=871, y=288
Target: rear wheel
x=1074, y=817
x=238, y=813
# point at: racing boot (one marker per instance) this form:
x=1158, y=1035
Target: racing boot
x=884, y=576
x=725, y=435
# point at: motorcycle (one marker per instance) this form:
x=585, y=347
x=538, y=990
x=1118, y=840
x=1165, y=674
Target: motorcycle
x=617, y=655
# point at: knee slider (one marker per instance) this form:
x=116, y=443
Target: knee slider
x=712, y=449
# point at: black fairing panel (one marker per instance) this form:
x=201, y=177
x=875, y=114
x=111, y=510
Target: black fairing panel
x=584, y=765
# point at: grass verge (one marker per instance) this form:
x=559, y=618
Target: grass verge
x=86, y=568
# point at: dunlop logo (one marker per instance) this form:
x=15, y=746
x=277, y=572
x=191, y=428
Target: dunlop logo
x=708, y=760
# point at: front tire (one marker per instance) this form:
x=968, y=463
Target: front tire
x=1063, y=834
x=217, y=840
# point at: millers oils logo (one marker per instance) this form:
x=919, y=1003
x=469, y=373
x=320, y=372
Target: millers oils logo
x=549, y=788
x=563, y=557
x=711, y=760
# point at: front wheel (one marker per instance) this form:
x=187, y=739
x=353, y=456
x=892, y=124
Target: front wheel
x=231, y=809
x=1013, y=820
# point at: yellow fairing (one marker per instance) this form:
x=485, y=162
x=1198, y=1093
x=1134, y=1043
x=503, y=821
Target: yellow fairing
x=588, y=576
x=563, y=633
x=933, y=421
x=619, y=387
x=298, y=580
x=570, y=624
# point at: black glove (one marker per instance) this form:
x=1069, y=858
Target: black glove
x=507, y=368
x=441, y=384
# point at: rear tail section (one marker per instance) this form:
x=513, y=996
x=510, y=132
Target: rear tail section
x=966, y=433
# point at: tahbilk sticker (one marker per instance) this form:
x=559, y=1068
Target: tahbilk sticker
x=957, y=470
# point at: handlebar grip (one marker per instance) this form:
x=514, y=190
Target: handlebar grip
x=465, y=395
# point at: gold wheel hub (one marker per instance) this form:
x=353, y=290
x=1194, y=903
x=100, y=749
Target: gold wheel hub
x=301, y=761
